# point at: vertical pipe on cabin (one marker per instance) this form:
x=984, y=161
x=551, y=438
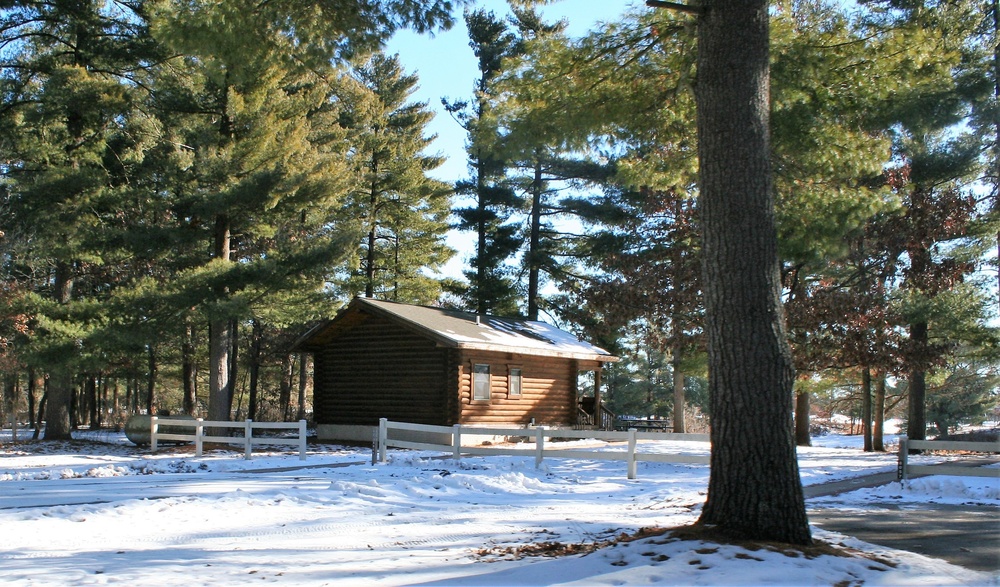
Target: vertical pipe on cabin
x=383, y=436
x=539, y=446
x=302, y=440
x=456, y=441
x=247, y=438
x=154, y=427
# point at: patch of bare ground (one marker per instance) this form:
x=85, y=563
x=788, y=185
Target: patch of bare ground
x=553, y=548
x=693, y=533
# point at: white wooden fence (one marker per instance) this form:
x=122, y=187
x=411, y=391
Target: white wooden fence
x=247, y=440
x=906, y=470
x=631, y=456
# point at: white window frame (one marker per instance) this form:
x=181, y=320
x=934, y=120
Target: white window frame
x=515, y=373
x=481, y=382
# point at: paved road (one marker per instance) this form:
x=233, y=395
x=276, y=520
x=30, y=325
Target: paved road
x=964, y=535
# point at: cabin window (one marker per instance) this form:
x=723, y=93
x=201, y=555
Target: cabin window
x=514, y=382
x=481, y=382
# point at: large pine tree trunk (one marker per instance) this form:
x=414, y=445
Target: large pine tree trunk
x=916, y=427
x=59, y=396
x=802, y=409
x=219, y=398
x=754, y=488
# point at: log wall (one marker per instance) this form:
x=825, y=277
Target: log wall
x=380, y=370
x=548, y=390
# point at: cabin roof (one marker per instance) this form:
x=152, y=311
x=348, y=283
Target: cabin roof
x=465, y=330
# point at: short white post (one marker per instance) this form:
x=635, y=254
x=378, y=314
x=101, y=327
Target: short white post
x=302, y=440
x=631, y=453
x=539, y=446
x=904, y=453
x=154, y=427
x=247, y=438
x=456, y=441
x=199, y=433
x=383, y=436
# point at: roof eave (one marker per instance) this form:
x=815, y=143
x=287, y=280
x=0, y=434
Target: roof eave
x=535, y=352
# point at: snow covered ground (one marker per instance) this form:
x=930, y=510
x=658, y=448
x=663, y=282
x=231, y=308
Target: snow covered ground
x=112, y=514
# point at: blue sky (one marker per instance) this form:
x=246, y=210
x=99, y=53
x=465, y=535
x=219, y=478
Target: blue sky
x=447, y=67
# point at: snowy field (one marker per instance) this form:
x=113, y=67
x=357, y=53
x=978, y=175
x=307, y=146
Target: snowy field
x=108, y=513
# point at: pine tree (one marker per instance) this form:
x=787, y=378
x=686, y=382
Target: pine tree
x=403, y=211
x=70, y=73
x=262, y=180
x=754, y=489
x=491, y=289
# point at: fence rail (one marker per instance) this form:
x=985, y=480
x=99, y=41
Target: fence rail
x=199, y=437
x=631, y=456
x=905, y=470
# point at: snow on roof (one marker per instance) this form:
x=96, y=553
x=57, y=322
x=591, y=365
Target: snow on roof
x=467, y=330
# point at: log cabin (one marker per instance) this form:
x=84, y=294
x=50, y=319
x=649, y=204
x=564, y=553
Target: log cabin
x=426, y=365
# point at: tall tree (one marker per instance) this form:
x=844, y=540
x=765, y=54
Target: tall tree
x=403, y=211
x=491, y=288
x=937, y=157
x=259, y=78
x=72, y=72
x=754, y=489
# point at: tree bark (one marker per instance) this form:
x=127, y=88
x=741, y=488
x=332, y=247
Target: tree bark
x=189, y=369
x=58, y=421
x=219, y=334
x=372, y=235
x=802, y=435
x=534, y=240
x=678, y=377
x=878, y=413
x=32, y=421
x=256, y=336
x=285, y=388
x=754, y=488
x=41, y=414
x=916, y=427
x=303, y=371
x=866, y=408
x=151, y=381
x=93, y=402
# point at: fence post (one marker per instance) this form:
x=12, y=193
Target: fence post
x=456, y=441
x=383, y=436
x=904, y=453
x=302, y=440
x=247, y=438
x=539, y=446
x=154, y=427
x=631, y=453
x=199, y=433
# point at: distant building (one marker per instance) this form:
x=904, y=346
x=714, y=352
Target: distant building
x=426, y=365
